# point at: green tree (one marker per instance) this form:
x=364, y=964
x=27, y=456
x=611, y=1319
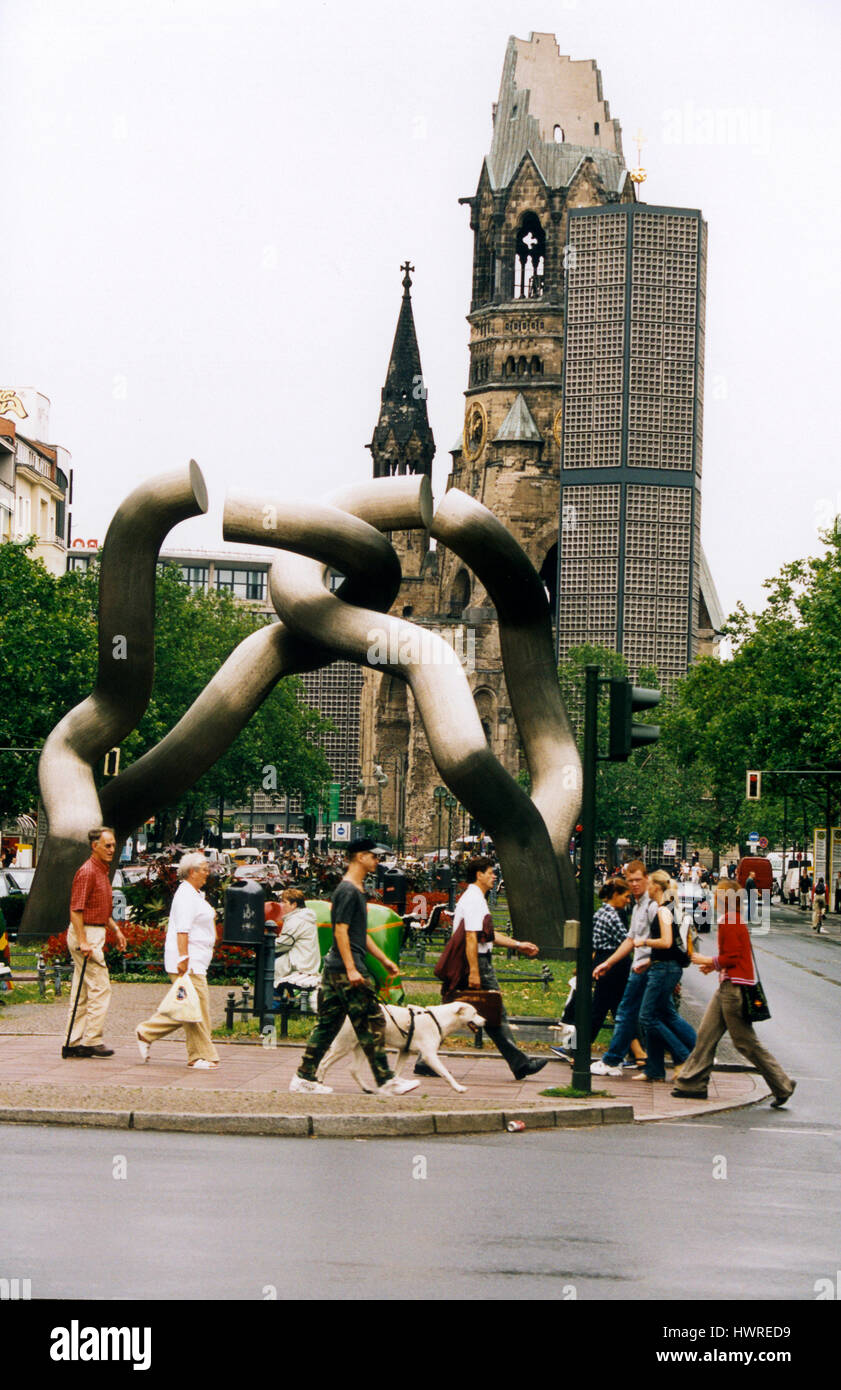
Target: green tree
x=774, y=704
x=48, y=641
x=47, y=662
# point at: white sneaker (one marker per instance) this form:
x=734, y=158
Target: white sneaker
x=602, y=1069
x=298, y=1083
x=202, y=1065
x=143, y=1048
x=396, y=1087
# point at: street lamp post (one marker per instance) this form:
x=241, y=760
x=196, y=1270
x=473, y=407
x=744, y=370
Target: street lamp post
x=381, y=779
x=450, y=803
x=438, y=794
x=398, y=764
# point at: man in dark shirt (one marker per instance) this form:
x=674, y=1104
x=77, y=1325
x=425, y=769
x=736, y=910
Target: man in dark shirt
x=347, y=990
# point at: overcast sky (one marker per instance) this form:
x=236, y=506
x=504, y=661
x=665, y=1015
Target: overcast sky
x=208, y=201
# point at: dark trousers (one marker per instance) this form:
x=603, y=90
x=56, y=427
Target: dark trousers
x=608, y=991
x=338, y=1000
x=501, y=1037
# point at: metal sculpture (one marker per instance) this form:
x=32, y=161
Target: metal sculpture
x=531, y=834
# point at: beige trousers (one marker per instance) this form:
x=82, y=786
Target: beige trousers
x=724, y=1015
x=96, y=989
x=196, y=1035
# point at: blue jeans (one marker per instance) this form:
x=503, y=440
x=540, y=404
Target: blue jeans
x=625, y=1028
x=664, y=1027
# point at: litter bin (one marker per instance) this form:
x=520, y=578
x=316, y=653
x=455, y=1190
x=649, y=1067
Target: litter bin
x=245, y=918
x=245, y=925
x=394, y=890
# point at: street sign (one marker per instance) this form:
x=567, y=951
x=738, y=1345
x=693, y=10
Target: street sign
x=753, y=837
x=340, y=830
x=763, y=843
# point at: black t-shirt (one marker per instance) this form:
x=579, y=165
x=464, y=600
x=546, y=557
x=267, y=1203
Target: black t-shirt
x=654, y=932
x=349, y=906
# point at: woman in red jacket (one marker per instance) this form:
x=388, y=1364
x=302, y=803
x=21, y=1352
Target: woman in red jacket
x=735, y=966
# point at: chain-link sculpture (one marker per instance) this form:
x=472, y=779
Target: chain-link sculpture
x=531, y=833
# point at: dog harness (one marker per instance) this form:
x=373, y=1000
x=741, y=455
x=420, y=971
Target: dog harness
x=409, y=1033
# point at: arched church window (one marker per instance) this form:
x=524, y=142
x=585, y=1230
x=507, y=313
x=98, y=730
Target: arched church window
x=529, y=254
x=558, y=135
x=522, y=367
x=549, y=576
x=535, y=367
x=459, y=594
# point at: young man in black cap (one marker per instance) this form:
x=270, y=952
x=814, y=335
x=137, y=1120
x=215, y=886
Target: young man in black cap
x=347, y=990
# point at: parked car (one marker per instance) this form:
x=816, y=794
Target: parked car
x=14, y=889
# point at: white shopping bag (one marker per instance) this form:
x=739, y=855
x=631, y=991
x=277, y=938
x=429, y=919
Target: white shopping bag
x=181, y=1003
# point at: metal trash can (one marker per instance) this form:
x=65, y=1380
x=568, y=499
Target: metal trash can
x=394, y=886
x=245, y=918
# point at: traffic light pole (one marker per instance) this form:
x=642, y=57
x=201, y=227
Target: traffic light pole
x=584, y=961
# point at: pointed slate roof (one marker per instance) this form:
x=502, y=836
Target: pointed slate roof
x=403, y=398
x=518, y=425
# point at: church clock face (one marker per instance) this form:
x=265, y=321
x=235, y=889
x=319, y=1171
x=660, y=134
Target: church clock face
x=557, y=427
x=475, y=431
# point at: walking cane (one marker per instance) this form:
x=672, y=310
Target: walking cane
x=65, y=1051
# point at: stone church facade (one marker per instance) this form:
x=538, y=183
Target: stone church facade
x=554, y=148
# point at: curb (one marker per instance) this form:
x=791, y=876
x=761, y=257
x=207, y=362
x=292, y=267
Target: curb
x=365, y=1126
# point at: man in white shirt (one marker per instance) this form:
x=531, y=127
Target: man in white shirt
x=480, y=937
x=188, y=950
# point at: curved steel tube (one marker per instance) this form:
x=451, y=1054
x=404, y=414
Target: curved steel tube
x=255, y=666
x=453, y=728
x=528, y=658
x=121, y=692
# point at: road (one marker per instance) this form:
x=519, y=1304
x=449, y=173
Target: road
x=744, y=1206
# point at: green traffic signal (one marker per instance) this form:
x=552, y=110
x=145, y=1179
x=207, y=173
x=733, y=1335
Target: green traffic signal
x=625, y=700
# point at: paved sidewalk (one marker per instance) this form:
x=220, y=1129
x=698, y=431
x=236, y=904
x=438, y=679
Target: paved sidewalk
x=249, y=1093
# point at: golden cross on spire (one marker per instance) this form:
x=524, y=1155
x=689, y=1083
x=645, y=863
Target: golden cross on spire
x=639, y=175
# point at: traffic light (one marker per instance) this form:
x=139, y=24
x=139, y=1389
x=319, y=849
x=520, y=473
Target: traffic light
x=754, y=786
x=112, y=762
x=625, y=699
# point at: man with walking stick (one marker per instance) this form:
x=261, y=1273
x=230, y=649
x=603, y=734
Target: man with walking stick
x=91, y=904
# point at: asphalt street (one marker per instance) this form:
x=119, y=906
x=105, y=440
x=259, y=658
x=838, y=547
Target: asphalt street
x=741, y=1206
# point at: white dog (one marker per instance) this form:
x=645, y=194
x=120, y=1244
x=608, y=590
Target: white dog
x=409, y=1030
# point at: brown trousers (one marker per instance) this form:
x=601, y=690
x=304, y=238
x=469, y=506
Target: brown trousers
x=724, y=1015
x=196, y=1035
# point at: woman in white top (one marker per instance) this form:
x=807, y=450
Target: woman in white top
x=188, y=949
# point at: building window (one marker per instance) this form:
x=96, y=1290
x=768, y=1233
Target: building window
x=249, y=585
x=558, y=135
x=195, y=576
x=459, y=594
x=529, y=255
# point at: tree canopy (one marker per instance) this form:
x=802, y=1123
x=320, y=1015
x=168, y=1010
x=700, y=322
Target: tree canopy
x=774, y=703
x=48, y=640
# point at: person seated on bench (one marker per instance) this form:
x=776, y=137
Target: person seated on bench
x=296, y=947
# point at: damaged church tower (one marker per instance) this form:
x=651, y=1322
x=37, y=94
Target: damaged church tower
x=554, y=148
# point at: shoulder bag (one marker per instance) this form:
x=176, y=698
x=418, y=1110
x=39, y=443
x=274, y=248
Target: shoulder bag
x=754, y=1002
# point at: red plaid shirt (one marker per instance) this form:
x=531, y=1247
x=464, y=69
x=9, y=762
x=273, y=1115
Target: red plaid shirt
x=92, y=895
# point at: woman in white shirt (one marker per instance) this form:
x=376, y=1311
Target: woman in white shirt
x=188, y=949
